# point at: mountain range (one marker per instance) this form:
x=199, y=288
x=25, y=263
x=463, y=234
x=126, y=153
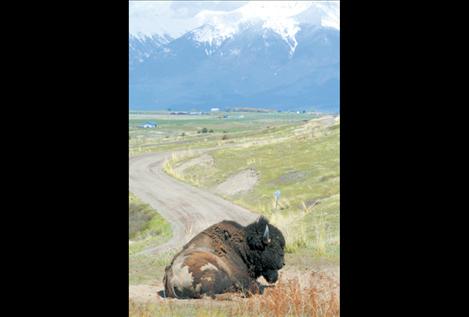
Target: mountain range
x=283, y=64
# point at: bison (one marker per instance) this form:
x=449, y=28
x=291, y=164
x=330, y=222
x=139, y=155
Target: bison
x=226, y=257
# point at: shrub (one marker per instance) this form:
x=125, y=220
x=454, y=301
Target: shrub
x=138, y=219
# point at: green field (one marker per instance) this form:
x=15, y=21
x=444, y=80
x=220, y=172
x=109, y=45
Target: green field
x=185, y=131
x=146, y=227
x=145, y=269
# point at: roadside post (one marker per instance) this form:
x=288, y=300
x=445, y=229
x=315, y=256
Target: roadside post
x=277, y=196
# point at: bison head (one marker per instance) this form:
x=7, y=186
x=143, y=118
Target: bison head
x=267, y=245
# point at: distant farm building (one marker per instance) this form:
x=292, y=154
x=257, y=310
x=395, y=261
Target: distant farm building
x=149, y=125
x=215, y=109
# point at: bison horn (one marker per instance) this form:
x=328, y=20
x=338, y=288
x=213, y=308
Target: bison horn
x=266, y=236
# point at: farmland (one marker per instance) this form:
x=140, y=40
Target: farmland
x=185, y=131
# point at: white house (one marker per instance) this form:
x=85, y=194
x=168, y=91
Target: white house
x=150, y=125
x=215, y=109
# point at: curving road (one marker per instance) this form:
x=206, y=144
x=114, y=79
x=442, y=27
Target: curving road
x=189, y=210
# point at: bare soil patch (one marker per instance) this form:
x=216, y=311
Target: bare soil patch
x=144, y=293
x=240, y=182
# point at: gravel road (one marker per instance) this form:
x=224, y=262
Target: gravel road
x=189, y=210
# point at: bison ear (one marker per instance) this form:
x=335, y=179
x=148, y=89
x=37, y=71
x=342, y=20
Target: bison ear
x=266, y=236
x=261, y=221
x=256, y=232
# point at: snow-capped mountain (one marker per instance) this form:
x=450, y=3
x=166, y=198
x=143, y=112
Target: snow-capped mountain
x=284, y=57
x=142, y=46
x=281, y=17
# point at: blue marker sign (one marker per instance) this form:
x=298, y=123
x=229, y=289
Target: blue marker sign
x=277, y=196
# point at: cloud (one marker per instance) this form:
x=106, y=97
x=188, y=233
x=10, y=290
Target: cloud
x=178, y=17
x=171, y=17
x=157, y=17
x=189, y=9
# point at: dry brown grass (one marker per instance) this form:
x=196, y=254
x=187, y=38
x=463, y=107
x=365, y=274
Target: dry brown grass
x=315, y=295
x=289, y=298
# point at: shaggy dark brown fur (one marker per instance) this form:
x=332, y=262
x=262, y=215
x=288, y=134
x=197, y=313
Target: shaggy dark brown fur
x=226, y=257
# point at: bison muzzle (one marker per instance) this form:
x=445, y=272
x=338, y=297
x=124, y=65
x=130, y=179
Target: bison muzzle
x=226, y=257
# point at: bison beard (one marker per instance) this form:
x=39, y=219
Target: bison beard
x=226, y=257
x=271, y=276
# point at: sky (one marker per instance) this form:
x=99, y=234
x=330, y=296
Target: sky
x=178, y=17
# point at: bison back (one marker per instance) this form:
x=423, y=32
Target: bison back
x=196, y=273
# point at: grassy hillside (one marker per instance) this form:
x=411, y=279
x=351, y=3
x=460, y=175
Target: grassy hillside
x=301, y=161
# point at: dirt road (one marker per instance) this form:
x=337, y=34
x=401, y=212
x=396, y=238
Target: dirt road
x=189, y=210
